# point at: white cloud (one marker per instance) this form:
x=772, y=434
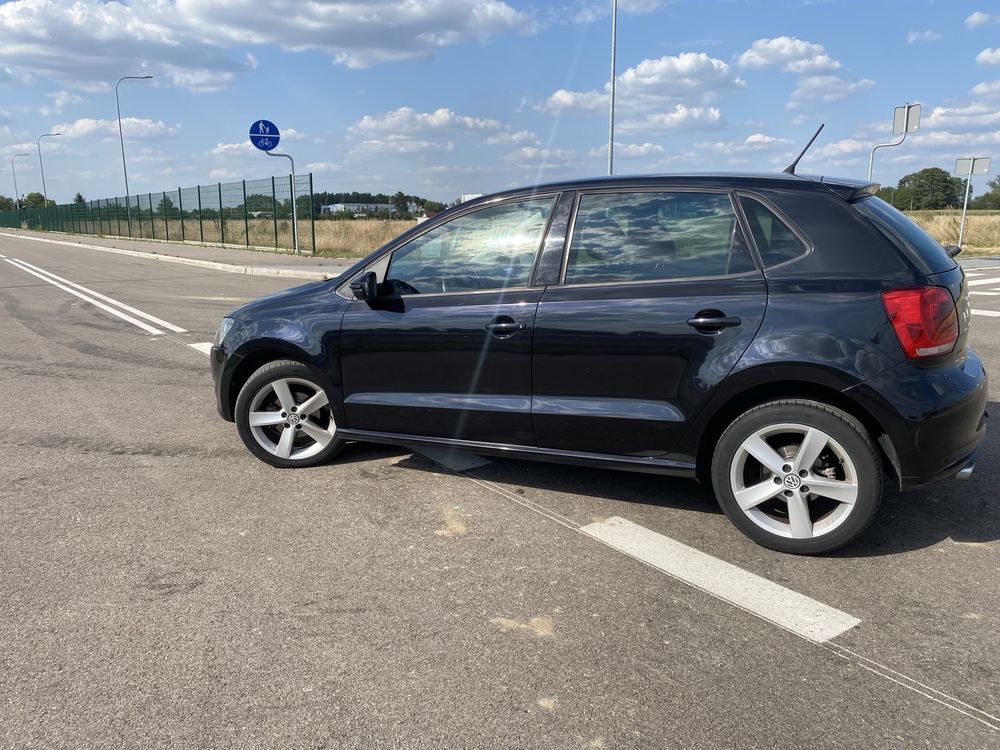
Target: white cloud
x=979, y=18
x=291, y=134
x=653, y=83
x=754, y=142
x=839, y=149
x=222, y=174
x=989, y=56
x=975, y=116
x=534, y=155
x=986, y=89
x=133, y=128
x=513, y=138
x=323, y=166
x=399, y=144
x=408, y=120
x=233, y=149
x=826, y=89
x=792, y=55
x=185, y=42
x=591, y=11
x=60, y=101
x=628, y=150
x=681, y=118
x=922, y=36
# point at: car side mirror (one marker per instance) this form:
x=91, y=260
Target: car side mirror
x=365, y=286
x=952, y=250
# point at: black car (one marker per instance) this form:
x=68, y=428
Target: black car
x=789, y=339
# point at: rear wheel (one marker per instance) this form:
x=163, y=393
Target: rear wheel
x=798, y=476
x=284, y=417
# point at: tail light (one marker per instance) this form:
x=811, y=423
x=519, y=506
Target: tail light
x=924, y=318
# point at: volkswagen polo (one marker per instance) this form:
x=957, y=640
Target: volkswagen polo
x=789, y=340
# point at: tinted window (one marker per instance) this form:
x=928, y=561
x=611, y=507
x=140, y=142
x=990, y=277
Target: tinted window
x=906, y=233
x=776, y=243
x=648, y=236
x=492, y=248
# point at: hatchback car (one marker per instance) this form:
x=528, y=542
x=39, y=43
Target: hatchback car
x=788, y=339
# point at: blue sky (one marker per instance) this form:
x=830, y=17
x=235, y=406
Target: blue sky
x=444, y=97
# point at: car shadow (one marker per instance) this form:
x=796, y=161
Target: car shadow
x=965, y=512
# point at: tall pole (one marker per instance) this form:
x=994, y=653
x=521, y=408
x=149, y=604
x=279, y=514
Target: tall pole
x=295, y=211
x=965, y=205
x=121, y=137
x=45, y=193
x=13, y=172
x=611, y=103
x=906, y=128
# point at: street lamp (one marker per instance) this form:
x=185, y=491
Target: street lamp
x=128, y=205
x=611, y=104
x=45, y=193
x=13, y=172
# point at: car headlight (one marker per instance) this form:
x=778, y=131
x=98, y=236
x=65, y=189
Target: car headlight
x=224, y=327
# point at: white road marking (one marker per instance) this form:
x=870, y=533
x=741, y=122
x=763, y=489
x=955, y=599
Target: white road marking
x=983, y=282
x=98, y=295
x=85, y=298
x=987, y=313
x=985, y=294
x=813, y=620
x=205, y=347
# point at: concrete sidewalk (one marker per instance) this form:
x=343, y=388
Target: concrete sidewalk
x=230, y=259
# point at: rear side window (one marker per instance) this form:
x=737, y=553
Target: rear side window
x=776, y=242
x=906, y=234
x=649, y=236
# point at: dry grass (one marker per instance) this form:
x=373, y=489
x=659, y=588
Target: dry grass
x=982, y=229
x=355, y=239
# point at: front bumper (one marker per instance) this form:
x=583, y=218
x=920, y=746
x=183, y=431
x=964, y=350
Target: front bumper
x=934, y=417
x=223, y=366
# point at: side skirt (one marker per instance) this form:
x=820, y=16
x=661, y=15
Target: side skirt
x=598, y=460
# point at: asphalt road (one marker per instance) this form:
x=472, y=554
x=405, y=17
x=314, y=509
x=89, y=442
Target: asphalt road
x=159, y=587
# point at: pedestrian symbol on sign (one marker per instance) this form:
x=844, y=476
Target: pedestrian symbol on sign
x=264, y=135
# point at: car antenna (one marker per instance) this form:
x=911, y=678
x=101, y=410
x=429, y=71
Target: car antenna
x=790, y=169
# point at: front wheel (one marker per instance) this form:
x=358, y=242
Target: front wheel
x=284, y=418
x=797, y=476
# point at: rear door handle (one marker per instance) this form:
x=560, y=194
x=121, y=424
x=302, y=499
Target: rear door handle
x=712, y=322
x=504, y=327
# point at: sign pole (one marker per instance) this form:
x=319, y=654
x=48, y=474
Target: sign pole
x=264, y=135
x=965, y=205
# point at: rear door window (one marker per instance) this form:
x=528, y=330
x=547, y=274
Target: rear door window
x=650, y=236
x=775, y=240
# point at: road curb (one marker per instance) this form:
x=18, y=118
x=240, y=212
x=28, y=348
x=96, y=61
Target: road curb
x=249, y=270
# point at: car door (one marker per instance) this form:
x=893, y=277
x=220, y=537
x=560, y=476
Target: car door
x=445, y=349
x=660, y=296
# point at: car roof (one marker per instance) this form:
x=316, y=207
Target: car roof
x=725, y=180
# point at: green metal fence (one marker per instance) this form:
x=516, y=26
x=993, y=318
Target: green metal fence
x=250, y=213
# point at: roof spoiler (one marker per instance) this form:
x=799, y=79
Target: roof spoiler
x=790, y=169
x=853, y=191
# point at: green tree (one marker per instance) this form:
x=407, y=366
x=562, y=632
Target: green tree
x=990, y=200
x=400, y=203
x=36, y=200
x=165, y=205
x=931, y=188
x=6, y=204
x=78, y=198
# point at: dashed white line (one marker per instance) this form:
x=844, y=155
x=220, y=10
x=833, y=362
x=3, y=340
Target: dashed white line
x=773, y=602
x=987, y=313
x=205, y=347
x=986, y=294
x=98, y=295
x=984, y=282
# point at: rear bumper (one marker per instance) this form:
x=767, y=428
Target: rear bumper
x=934, y=417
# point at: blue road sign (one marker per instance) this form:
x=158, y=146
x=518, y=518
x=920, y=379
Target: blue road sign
x=264, y=135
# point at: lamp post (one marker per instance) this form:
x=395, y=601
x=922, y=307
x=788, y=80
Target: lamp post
x=966, y=168
x=611, y=103
x=13, y=172
x=45, y=193
x=121, y=137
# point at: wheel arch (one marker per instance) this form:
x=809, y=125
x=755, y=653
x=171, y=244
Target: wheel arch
x=760, y=393
x=254, y=358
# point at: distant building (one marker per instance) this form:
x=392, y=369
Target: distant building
x=357, y=208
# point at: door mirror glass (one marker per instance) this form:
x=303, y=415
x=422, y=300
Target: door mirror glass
x=365, y=286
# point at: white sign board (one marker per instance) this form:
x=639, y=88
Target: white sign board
x=906, y=119
x=965, y=167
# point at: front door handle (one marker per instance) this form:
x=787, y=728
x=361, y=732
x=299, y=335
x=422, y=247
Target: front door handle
x=504, y=327
x=713, y=321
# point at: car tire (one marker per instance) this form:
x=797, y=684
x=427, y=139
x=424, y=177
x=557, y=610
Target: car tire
x=798, y=476
x=284, y=415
